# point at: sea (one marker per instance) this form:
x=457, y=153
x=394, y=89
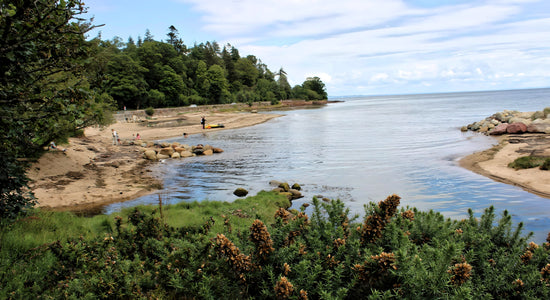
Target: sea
x=360, y=150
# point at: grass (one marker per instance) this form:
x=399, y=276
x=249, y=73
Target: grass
x=43, y=227
x=528, y=162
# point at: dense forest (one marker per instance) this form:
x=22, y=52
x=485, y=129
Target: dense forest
x=150, y=73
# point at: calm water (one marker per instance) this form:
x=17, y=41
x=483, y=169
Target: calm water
x=363, y=150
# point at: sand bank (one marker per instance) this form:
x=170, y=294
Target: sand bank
x=493, y=163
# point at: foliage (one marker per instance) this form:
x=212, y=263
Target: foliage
x=44, y=94
x=392, y=254
x=150, y=111
x=527, y=162
x=166, y=74
x=546, y=164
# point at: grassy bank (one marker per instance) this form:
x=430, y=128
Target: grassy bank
x=256, y=248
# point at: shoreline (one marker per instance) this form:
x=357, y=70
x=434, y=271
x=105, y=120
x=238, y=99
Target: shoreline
x=493, y=162
x=93, y=173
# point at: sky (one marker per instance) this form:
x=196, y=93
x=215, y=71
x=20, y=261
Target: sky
x=360, y=47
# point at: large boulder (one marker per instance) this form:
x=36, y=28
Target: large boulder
x=175, y=155
x=516, y=128
x=150, y=154
x=167, y=151
x=500, y=129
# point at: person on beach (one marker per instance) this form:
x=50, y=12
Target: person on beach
x=138, y=137
x=115, y=136
x=53, y=146
x=203, y=122
x=185, y=135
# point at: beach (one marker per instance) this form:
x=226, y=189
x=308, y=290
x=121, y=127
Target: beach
x=493, y=162
x=93, y=172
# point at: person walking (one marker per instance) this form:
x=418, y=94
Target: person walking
x=115, y=136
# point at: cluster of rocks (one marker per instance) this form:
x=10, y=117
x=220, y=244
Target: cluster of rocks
x=176, y=150
x=511, y=122
x=283, y=188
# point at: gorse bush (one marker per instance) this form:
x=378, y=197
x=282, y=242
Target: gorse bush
x=392, y=253
x=527, y=162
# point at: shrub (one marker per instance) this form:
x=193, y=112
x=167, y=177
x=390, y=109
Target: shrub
x=150, y=111
x=527, y=162
x=546, y=164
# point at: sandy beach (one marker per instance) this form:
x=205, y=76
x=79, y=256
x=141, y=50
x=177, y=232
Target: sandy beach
x=93, y=172
x=493, y=163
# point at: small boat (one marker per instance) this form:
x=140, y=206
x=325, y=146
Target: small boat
x=214, y=126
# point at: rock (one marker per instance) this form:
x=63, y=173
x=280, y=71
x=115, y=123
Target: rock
x=175, y=145
x=150, y=154
x=287, y=194
x=198, y=151
x=207, y=147
x=538, y=128
x=278, y=190
x=175, y=155
x=284, y=186
x=296, y=187
x=484, y=129
x=240, y=192
x=165, y=145
x=162, y=156
x=167, y=151
x=464, y=128
x=179, y=149
x=186, y=153
x=217, y=150
x=208, y=152
x=295, y=194
x=500, y=129
x=516, y=128
x=274, y=183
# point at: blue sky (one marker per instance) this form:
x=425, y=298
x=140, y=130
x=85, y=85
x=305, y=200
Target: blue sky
x=360, y=47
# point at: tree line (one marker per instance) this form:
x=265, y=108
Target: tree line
x=150, y=73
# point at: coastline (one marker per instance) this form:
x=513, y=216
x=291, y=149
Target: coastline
x=92, y=172
x=493, y=162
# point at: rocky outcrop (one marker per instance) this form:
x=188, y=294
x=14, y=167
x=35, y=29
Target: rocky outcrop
x=284, y=188
x=513, y=122
x=175, y=150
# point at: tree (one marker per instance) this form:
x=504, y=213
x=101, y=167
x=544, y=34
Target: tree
x=315, y=84
x=175, y=40
x=43, y=94
x=217, y=90
x=284, y=86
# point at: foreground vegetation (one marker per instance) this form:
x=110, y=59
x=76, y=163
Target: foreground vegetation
x=256, y=248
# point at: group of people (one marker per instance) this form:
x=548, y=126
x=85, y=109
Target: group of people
x=116, y=138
